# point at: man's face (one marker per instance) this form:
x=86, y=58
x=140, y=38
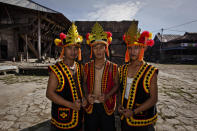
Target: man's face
x=134, y=52
x=99, y=50
x=71, y=52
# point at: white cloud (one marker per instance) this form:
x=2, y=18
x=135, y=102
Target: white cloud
x=115, y=11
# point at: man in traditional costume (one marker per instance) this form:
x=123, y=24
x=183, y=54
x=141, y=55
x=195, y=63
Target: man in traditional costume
x=64, y=85
x=102, y=81
x=138, y=83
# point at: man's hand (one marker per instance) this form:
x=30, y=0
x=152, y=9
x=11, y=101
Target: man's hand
x=76, y=105
x=120, y=109
x=127, y=113
x=84, y=102
x=103, y=97
x=91, y=98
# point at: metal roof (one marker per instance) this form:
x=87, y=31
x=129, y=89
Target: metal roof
x=188, y=36
x=28, y=4
x=167, y=37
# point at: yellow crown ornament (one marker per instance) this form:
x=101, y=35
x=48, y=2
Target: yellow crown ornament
x=98, y=35
x=71, y=38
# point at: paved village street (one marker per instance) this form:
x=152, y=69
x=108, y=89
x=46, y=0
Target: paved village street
x=23, y=103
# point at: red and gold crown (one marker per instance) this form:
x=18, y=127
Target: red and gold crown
x=72, y=38
x=98, y=36
x=133, y=37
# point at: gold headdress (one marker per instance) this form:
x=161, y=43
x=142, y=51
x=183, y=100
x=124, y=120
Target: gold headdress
x=72, y=38
x=133, y=37
x=98, y=36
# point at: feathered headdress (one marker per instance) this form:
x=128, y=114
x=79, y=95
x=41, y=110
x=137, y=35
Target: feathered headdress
x=133, y=37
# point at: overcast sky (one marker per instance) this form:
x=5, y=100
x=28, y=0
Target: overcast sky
x=151, y=14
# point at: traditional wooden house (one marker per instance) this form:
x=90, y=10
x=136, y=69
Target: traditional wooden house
x=174, y=48
x=182, y=49
x=155, y=53
x=28, y=29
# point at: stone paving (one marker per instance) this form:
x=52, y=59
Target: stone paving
x=23, y=103
x=28, y=108
x=177, y=105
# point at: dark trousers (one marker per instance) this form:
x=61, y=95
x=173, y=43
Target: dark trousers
x=54, y=128
x=126, y=127
x=99, y=120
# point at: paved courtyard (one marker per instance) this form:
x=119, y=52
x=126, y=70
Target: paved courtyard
x=23, y=103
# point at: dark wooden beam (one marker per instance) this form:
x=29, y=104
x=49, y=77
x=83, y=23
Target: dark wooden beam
x=39, y=39
x=52, y=22
x=31, y=47
x=45, y=38
x=26, y=48
x=49, y=44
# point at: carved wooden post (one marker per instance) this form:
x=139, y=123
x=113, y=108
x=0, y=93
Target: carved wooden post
x=26, y=48
x=39, y=38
